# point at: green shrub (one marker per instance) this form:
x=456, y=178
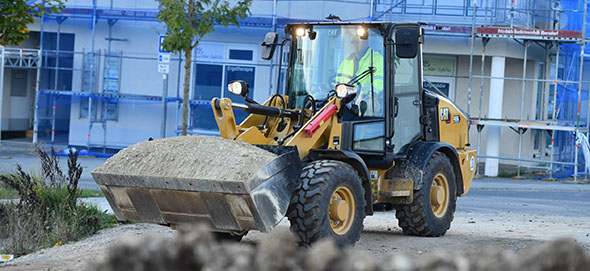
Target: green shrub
x=47, y=211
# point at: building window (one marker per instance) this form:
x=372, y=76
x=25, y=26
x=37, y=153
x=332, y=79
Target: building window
x=211, y=81
x=439, y=75
x=240, y=54
x=208, y=81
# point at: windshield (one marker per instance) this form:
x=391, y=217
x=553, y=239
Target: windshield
x=338, y=55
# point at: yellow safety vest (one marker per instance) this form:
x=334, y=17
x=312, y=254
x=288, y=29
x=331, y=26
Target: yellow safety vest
x=349, y=68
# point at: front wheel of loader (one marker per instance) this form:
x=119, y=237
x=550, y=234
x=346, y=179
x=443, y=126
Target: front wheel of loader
x=329, y=203
x=433, y=206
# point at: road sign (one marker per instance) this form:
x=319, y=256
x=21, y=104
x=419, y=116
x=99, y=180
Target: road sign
x=164, y=58
x=160, y=41
x=163, y=68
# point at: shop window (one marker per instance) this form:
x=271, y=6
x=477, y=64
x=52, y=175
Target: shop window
x=208, y=81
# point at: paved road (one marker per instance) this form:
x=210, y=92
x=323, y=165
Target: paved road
x=12, y=154
x=532, y=197
x=486, y=197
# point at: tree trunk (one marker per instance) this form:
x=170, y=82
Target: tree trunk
x=185, y=98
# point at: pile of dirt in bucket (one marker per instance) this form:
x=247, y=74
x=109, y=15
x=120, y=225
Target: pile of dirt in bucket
x=195, y=157
x=197, y=250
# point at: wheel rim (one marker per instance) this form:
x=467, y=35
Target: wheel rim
x=341, y=210
x=439, y=195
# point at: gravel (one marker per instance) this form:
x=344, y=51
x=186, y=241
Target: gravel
x=197, y=250
x=196, y=157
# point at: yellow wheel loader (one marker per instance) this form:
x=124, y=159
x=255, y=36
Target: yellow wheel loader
x=352, y=127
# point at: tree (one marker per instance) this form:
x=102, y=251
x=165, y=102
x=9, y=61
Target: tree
x=188, y=21
x=16, y=15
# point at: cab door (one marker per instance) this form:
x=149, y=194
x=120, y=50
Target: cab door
x=407, y=89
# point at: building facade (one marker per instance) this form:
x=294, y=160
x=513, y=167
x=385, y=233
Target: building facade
x=99, y=60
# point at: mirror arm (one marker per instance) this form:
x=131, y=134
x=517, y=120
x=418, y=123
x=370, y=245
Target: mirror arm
x=282, y=44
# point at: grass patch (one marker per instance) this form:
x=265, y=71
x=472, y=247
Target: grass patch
x=11, y=193
x=47, y=211
x=504, y=174
x=8, y=193
x=91, y=193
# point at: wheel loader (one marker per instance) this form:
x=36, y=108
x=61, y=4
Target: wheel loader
x=352, y=127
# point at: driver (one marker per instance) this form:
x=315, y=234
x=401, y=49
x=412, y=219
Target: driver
x=359, y=60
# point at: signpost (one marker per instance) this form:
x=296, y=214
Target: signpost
x=164, y=69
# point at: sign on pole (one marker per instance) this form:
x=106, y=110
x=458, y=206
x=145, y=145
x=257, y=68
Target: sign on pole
x=163, y=68
x=164, y=58
x=160, y=47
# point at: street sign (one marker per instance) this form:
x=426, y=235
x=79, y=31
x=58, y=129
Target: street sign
x=160, y=41
x=163, y=68
x=164, y=58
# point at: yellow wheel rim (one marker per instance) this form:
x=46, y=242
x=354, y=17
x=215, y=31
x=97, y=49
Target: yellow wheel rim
x=439, y=195
x=341, y=210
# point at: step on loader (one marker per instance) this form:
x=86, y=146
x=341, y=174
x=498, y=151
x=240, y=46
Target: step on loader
x=354, y=126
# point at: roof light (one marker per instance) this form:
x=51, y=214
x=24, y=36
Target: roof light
x=362, y=33
x=300, y=32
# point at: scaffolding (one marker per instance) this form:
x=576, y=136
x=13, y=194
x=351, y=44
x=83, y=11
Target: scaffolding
x=547, y=39
x=558, y=27
x=19, y=58
x=98, y=102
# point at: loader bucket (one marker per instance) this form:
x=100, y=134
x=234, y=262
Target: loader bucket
x=226, y=205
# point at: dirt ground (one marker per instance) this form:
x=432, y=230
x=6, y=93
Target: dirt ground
x=381, y=237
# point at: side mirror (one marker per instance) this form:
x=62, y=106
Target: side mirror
x=268, y=45
x=406, y=42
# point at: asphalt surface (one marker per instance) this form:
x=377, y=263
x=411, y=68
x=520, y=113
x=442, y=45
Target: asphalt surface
x=24, y=154
x=487, y=195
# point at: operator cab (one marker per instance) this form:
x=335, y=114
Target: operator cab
x=377, y=65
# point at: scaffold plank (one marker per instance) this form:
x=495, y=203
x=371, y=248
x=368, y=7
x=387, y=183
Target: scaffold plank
x=526, y=124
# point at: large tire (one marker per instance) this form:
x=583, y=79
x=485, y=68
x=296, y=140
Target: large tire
x=432, y=209
x=329, y=203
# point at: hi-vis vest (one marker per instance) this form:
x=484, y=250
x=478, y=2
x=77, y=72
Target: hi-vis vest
x=349, y=68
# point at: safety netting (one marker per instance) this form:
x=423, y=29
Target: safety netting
x=571, y=102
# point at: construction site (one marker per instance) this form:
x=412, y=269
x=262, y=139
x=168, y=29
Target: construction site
x=423, y=133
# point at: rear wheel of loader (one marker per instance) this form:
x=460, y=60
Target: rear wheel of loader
x=432, y=209
x=328, y=203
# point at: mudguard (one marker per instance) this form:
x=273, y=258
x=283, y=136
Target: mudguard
x=419, y=154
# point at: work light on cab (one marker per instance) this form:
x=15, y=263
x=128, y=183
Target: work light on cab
x=300, y=32
x=362, y=33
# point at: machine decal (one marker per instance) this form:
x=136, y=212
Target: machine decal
x=456, y=118
x=472, y=163
x=444, y=114
x=374, y=175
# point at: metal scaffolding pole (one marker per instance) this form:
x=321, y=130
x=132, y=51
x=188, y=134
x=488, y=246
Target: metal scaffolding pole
x=582, y=46
x=553, y=115
x=484, y=42
x=37, y=93
x=471, y=60
x=520, y=130
x=1, y=88
x=92, y=73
